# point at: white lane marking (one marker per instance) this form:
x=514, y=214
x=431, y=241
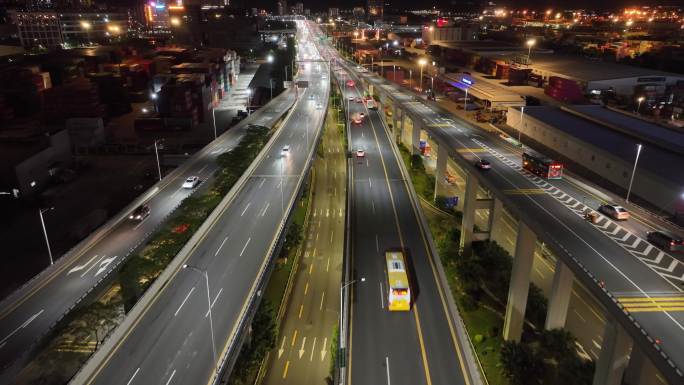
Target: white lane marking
x=183, y=303
x=331, y=236
x=377, y=244
x=370, y=183
x=301, y=350
x=282, y=345
x=387, y=365
x=93, y=265
x=245, y=246
x=104, y=264
x=265, y=208
x=213, y=302
x=382, y=297
x=133, y=376
x=262, y=182
x=327, y=266
x=246, y=207
x=313, y=349
x=203, y=168
x=323, y=351
x=170, y=378
x=81, y=267
x=219, y=248
x=322, y=299
x=373, y=207
x=25, y=324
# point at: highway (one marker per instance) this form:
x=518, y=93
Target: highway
x=170, y=341
x=30, y=312
x=416, y=347
x=625, y=264
x=302, y=352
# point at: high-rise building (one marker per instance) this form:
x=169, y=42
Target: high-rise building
x=299, y=9
x=333, y=13
x=51, y=29
x=358, y=13
x=282, y=7
x=374, y=10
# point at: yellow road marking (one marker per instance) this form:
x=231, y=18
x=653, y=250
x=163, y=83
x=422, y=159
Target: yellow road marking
x=655, y=309
x=654, y=304
x=306, y=288
x=301, y=307
x=524, y=191
x=287, y=366
x=311, y=268
x=439, y=125
x=422, y=346
x=294, y=338
x=466, y=150
x=652, y=299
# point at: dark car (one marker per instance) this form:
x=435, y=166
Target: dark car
x=666, y=241
x=141, y=212
x=483, y=164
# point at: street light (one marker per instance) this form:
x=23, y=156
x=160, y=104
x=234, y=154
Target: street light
x=211, y=321
x=422, y=63
x=356, y=34
x=343, y=333
x=631, y=179
x=270, y=83
x=639, y=100
x=410, y=77
x=156, y=153
x=269, y=58
x=530, y=43
x=213, y=116
x=47, y=241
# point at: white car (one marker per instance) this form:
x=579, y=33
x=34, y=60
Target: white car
x=319, y=106
x=191, y=182
x=286, y=150
x=351, y=98
x=360, y=153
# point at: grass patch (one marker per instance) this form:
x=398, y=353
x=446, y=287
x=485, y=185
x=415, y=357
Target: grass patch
x=423, y=183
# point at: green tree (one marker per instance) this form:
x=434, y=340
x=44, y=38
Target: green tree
x=263, y=339
x=95, y=319
x=293, y=237
x=573, y=370
x=537, y=304
x=520, y=364
x=557, y=343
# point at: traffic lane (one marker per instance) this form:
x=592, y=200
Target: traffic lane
x=443, y=359
x=249, y=265
x=377, y=334
x=398, y=340
x=660, y=326
x=157, y=340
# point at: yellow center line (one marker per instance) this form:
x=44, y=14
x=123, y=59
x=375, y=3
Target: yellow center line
x=306, y=288
x=301, y=308
x=294, y=338
x=652, y=299
x=287, y=366
x=311, y=268
x=423, y=354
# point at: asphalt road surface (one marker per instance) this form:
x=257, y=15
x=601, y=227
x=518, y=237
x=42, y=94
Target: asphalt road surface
x=32, y=310
x=171, y=341
x=630, y=268
x=416, y=347
x=302, y=354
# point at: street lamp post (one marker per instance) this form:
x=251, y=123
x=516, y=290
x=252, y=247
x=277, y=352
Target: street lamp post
x=270, y=83
x=631, y=179
x=354, y=48
x=530, y=43
x=394, y=72
x=422, y=63
x=639, y=100
x=410, y=77
x=156, y=153
x=211, y=321
x=47, y=241
x=522, y=112
x=343, y=332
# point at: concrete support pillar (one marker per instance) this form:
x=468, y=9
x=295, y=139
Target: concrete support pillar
x=614, y=355
x=468, y=221
x=640, y=369
x=495, y=214
x=559, y=299
x=440, y=169
x=415, y=138
x=520, y=283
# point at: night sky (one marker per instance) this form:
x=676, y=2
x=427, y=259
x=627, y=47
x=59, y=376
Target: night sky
x=568, y=4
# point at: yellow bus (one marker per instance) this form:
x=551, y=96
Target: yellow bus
x=399, y=296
